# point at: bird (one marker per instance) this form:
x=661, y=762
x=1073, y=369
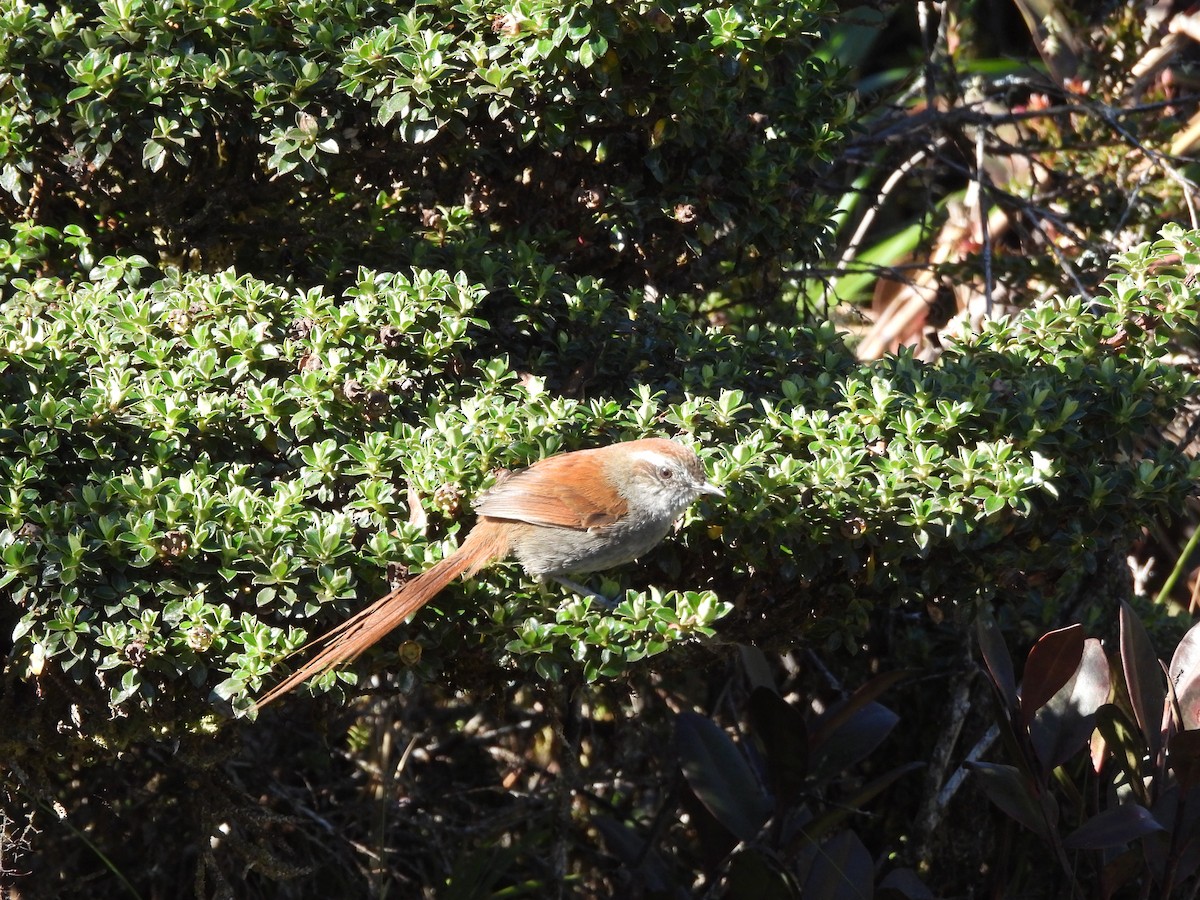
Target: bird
x=572, y=513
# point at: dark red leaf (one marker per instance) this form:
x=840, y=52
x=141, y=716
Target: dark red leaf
x=1051, y=664
x=1143, y=677
x=1015, y=795
x=841, y=869
x=997, y=659
x=1183, y=755
x=1113, y=828
x=782, y=738
x=1062, y=727
x=841, y=713
x=720, y=776
x=853, y=742
x=1184, y=673
x=1188, y=696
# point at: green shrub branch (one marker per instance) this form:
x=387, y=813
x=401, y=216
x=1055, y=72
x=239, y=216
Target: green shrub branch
x=199, y=473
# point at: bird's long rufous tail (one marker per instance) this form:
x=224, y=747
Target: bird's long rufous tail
x=486, y=543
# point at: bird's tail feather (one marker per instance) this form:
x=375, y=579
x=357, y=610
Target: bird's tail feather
x=368, y=626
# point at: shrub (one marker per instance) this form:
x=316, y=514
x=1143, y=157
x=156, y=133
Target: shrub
x=195, y=468
x=200, y=466
x=186, y=455
x=668, y=145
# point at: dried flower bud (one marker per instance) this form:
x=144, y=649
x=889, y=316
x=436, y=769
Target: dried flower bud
x=410, y=653
x=199, y=638
x=685, y=213
x=507, y=24
x=378, y=404
x=447, y=499
x=660, y=21
x=353, y=390
x=391, y=336
x=854, y=527
x=300, y=329
x=179, y=321
x=589, y=198
x=29, y=531
x=135, y=653
x=397, y=574
x=173, y=545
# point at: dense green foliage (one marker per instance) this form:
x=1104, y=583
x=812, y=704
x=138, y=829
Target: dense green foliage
x=285, y=284
x=232, y=447
x=183, y=458
x=293, y=136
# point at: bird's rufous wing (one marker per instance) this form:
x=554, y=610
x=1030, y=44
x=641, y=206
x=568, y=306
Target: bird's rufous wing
x=565, y=491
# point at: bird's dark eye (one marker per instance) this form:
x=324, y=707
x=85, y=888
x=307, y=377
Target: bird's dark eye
x=665, y=474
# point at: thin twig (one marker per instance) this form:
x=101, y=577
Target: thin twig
x=869, y=216
x=981, y=207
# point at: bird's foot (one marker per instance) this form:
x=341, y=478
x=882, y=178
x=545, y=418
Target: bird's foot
x=582, y=591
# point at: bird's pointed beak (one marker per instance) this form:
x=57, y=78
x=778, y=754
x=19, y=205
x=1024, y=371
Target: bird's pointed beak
x=709, y=488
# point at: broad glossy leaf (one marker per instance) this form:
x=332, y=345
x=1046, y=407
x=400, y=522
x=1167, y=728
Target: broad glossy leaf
x=841, y=869
x=997, y=659
x=782, y=736
x=1184, y=673
x=1183, y=755
x=1013, y=794
x=720, y=776
x=1186, y=658
x=1125, y=744
x=853, y=741
x=1052, y=662
x=1062, y=726
x=1113, y=828
x=1144, y=678
x=842, y=712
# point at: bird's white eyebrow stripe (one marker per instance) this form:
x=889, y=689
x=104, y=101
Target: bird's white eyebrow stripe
x=654, y=458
